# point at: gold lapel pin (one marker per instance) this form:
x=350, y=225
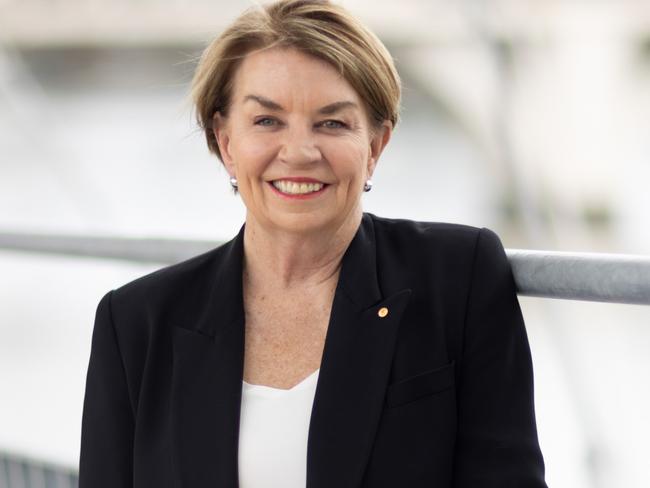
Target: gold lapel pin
x=382, y=312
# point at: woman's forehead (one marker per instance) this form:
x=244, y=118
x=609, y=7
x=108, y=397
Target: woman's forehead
x=288, y=75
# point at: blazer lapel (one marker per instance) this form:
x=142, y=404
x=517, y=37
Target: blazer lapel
x=355, y=369
x=208, y=364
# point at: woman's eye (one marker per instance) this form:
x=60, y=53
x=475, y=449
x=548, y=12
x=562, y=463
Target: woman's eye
x=333, y=124
x=265, y=122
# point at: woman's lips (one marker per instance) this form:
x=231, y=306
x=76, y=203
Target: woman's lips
x=298, y=188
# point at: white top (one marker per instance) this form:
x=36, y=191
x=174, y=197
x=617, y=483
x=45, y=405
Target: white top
x=273, y=431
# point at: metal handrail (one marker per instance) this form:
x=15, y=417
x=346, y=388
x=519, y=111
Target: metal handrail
x=615, y=278
x=141, y=250
x=20, y=471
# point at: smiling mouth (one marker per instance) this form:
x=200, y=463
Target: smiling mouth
x=297, y=188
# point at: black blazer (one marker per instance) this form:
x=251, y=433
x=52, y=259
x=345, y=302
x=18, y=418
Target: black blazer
x=437, y=394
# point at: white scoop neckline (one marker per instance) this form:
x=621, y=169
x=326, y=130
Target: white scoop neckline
x=305, y=382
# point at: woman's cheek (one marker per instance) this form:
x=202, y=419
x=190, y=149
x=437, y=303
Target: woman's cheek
x=349, y=163
x=255, y=149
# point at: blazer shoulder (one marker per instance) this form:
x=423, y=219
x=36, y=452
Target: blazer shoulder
x=168, y=291
x=429, y=233
x=452, y=249
x=174, y=274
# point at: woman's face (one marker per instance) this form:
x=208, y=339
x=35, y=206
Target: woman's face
x=298, y=140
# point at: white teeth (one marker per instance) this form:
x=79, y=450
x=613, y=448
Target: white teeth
x=293, y=188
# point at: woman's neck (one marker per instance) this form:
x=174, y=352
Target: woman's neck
x=284, y=261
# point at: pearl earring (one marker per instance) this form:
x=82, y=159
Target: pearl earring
x=234, y=184
x=368, y=186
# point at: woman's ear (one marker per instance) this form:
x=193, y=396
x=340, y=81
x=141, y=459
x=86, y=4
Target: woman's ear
x=221, y=133
x=378, y=141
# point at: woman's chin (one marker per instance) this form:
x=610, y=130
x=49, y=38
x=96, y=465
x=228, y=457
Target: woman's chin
x=305, y=223
x=314, y=222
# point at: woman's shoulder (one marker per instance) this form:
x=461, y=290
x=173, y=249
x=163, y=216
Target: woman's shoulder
x=188, y=269
x=448, y=255
x=179, y=286
x=436, y=236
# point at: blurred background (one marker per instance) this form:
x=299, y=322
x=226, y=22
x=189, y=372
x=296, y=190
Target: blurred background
x=530, y=117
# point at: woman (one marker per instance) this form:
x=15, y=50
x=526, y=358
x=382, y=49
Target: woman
x=321, y=347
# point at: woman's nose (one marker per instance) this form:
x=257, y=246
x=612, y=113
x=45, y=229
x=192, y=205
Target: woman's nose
x=299, y=147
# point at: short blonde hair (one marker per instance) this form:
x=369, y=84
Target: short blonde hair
x=319, y=28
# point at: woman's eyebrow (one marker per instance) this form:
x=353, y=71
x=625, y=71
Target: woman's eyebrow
x=264, y=102
x=336, y=106
x=326, y=110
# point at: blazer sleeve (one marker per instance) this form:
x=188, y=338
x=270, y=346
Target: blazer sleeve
x=108, y=416
x=497, y=443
